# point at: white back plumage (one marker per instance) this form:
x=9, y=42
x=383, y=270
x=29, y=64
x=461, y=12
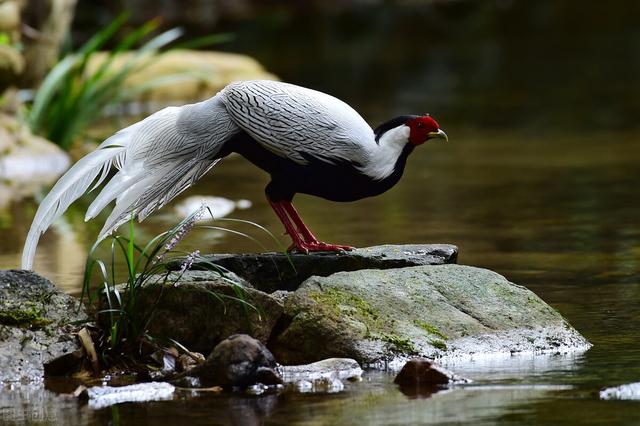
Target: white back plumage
x=297, y=123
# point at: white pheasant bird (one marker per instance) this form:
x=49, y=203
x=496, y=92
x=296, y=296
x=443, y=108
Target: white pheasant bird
x=308, y=141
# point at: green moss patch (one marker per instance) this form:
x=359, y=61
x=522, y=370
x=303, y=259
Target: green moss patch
x=345, y=303
x=439, y=344
x=400, y=344
x=431, y=329
x=30, y=316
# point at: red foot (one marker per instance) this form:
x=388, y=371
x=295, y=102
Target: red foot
x=306, y=247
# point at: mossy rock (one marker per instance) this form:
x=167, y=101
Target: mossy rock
x=38, y=323
x=203, y=308
x=433, y=311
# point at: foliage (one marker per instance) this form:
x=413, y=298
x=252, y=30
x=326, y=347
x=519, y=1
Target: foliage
x=70, y=98
x=126, y=317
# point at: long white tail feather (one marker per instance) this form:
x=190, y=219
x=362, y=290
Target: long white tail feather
x=152, y=204
x=70, y=187
x=157, y=158
x=118, y=184
x=126, y=204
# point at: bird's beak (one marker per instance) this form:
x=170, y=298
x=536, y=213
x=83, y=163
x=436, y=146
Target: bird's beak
x=440, y=134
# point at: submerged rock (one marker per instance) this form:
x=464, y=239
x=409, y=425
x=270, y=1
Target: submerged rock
x=375, y=316
x=324, y=376
x=423, y=372
x=105, y=396
x=340, y=368
x=276, y=271
x=238, y=361
x=630, y=391
x=36, y=325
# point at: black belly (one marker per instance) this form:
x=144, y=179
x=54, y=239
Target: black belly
x=336, y=182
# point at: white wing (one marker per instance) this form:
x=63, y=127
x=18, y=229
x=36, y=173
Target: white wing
x=299, y=123
x=157, y=158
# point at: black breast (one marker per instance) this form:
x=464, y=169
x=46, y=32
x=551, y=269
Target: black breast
x=341, y=181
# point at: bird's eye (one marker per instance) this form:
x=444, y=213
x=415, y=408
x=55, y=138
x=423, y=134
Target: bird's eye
x=419, y=126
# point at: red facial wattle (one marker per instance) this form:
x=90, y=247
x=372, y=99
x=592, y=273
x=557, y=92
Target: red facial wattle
x=424, y=128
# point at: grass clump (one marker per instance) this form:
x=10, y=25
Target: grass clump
x=125, y=311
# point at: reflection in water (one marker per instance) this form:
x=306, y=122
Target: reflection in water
x=422, y=391
x=373, y=401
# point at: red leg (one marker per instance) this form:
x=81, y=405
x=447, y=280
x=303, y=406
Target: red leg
x=288, y=226
x=302, y=228
x=303, y=239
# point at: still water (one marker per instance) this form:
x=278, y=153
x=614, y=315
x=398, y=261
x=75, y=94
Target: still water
x=539, y=182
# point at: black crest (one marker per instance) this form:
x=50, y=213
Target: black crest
x=393, y=123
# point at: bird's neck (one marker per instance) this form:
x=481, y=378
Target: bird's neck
x=390, y=153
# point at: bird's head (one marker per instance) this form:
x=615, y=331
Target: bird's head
x=413, y=129
x=422, y=128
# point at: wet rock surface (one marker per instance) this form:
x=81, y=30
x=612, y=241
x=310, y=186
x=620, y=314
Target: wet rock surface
x=36, y=325
x=374, y=316
x=423, y=372
x=269, y=272
x=238, y=361
x=203, y=308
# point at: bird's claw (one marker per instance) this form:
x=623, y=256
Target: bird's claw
x=314, y=246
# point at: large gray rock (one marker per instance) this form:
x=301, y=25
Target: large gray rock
x=431, y=311
x=204, y=307
x=36, y=325
x=276, y=271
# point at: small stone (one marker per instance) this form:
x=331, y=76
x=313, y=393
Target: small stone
x=421, y=371
x=238, y=361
